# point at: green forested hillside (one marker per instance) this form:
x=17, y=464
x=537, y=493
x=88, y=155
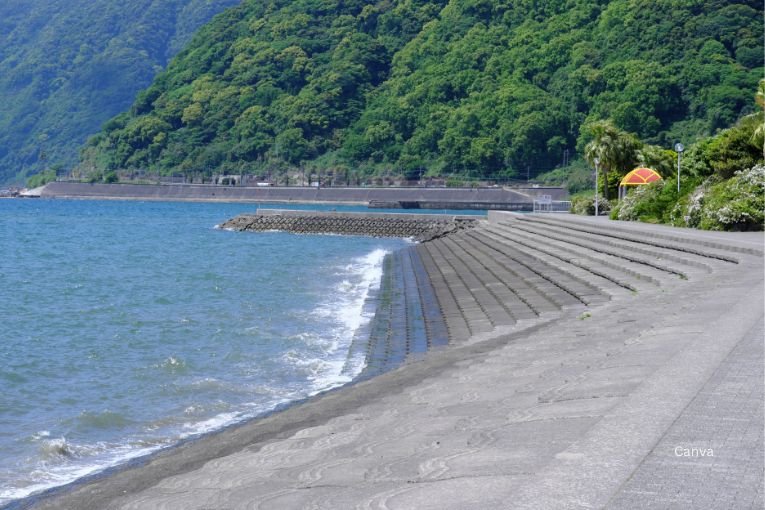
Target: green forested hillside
x=475, y=87
x=67, y=66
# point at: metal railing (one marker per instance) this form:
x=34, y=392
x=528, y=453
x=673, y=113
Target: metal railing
x=545, y=204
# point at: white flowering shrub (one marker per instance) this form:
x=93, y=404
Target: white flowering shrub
x=687, y=211
x=735, y=204
x=642, y=203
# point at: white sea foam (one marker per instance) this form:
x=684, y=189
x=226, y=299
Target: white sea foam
x=214, y=423
x=63, y=451
x=344, y=313
x=64, y=461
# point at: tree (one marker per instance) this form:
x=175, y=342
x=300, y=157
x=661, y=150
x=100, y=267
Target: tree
x=615, y=149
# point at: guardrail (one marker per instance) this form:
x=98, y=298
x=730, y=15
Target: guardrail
x=545, y=204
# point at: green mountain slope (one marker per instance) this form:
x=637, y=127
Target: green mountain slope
x=481, y=87
x=67, y=66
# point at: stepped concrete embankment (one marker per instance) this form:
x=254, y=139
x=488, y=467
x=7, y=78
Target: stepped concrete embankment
x=516, y=199
x=589, y=364
x=418, y=226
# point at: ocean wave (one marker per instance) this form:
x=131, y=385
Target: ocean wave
x=344, y=314
x=62, y=461
x=88, y=420
x=173, y=365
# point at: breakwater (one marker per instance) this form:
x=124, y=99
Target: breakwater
x=421, y=227
x=499, y=198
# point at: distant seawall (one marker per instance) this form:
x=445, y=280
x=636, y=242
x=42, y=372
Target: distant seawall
x=422, y=227
x=417, y=198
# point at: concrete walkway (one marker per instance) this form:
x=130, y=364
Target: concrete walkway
x=724, y=424
x=581, y=355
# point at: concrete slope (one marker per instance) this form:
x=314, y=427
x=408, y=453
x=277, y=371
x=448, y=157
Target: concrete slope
x=574, y=371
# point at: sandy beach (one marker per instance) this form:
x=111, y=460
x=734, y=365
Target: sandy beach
x=585, y=357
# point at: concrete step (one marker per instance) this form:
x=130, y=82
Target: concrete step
x=406, y=315
x=534, y=288
x=684, y=259
x=474, y=300
x=704, y=248
x=494, y=280
x=435, y=326
x=524, y=299
x=416, y=333
x=598, y=247
x=639, y=273
x=565, y=261
x=529, y=272
x=456, y=322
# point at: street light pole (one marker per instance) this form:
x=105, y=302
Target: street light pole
x=596, y=161
x=679, y=149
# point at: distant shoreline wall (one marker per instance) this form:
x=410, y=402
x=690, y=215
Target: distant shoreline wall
x=416, y=198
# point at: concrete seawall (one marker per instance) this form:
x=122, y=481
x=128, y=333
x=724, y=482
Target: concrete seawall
x=419, y=226
x=516, y=199
x=582, y=353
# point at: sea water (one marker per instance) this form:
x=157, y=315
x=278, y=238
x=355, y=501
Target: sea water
x=128, y=326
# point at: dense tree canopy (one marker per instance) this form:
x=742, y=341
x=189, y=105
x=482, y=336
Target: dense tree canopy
x=67, y=66
x=476, y=87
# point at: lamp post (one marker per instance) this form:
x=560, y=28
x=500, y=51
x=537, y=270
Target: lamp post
x=679, y=149
x=596, y=161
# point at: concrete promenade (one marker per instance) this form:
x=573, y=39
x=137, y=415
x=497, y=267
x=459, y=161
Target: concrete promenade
x=591, y=364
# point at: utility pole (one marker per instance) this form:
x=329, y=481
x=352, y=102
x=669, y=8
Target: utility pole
x=596, y=161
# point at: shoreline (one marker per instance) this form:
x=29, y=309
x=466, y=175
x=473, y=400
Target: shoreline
x=252, y=434
x=549, y=367
x=372, y=368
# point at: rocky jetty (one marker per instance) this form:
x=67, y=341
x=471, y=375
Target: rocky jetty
x=421, y=227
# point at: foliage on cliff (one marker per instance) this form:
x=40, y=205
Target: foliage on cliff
x=447, y=86
x=67, y=66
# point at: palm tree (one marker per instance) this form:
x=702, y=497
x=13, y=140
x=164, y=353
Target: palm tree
x=615, y=149
x=657, y=158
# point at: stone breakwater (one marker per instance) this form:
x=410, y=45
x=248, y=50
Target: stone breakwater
x=421, y=227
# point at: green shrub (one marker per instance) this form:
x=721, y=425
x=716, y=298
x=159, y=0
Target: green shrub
x=735, y=204
x=41, y=179
x=585, y=205
x=656, y=202
x=642, y=203
x=687, y=211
